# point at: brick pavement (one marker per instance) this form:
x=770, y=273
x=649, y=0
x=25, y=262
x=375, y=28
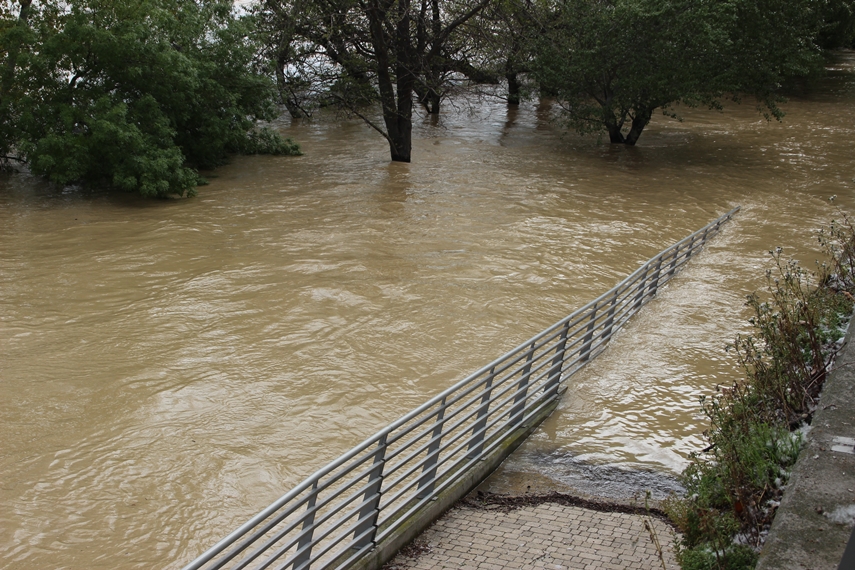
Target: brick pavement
x=548, y=535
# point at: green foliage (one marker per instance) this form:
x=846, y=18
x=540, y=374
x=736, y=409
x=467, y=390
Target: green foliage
x=730, y=488
x=733, y=557
x=135, y=159
x=770, y=43
x=838, y=24
x=839, y=273
x=267, y=141
x=135, y=94
x=613, y=63
x=796, y=325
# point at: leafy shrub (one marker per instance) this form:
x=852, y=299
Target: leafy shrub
x=137, y=94
x=268, y=141
x=733, y=486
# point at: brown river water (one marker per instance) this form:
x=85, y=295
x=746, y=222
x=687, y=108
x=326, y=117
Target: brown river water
x=168, y=368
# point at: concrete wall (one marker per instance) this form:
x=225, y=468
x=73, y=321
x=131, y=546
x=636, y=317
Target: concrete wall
x=817, y=512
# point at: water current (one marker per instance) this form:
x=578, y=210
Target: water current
x=168, y=368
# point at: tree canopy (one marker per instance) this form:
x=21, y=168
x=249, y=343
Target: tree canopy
x=141, y=93
x=610, y=63
x=837, y=29
x=134, y=93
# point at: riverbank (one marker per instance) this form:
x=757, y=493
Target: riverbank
x=755, y=452
x=150, y=348
x=811, y=528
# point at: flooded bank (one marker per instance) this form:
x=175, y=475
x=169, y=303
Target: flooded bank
x=170, y=367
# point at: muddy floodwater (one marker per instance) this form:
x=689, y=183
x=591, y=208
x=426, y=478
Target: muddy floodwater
x=168, y=368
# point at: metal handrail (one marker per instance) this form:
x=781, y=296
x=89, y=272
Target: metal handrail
x=339, y=513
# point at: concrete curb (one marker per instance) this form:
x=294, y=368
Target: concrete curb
x=817, y=512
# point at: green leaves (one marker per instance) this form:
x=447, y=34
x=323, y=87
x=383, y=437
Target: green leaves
x=115, y=149
x=134, y=94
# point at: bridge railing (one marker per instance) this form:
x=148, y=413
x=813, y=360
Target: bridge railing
x=338, y=514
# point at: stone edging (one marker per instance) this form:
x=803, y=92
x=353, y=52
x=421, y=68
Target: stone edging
x=815, y=518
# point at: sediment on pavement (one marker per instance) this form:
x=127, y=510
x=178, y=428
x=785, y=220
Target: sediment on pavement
x=495, y=532
x=507, y=503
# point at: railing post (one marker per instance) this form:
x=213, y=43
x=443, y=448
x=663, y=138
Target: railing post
x=367, y=529
x=610, y=319
x=639, y=298
x=673, y=267
x=691, y=249
x=518, y=410
x=476, y=445
x=428, y=480
x=301, y=562
x=585, y=353
x=554, y=378
x=655, y=285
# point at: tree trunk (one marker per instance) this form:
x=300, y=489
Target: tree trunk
x=429, y=98
x=397, y=115
x=399, y=122
x=433, y=95
x=281, y=62
x=615, y=136
x=286, y=97
x=642, y=117
x=400, y=140
x=396, y=97
x=513, y=88
x=433, y=102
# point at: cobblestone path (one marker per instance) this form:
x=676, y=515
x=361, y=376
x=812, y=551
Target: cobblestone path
x=548, y=535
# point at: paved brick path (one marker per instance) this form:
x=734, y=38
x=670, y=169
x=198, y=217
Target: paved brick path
x=548, y=535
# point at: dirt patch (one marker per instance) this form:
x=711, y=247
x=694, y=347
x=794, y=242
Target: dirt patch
x=412, y=551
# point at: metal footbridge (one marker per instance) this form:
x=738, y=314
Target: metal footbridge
x=358, y=510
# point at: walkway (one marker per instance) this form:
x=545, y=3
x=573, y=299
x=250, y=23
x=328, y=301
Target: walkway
x=545, y=535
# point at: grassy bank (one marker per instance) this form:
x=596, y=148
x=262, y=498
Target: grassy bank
x=756, y=424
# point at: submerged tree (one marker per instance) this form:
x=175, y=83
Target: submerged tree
x=137, y=94
x=613, y=63
x=504, y=37
x=394, y=53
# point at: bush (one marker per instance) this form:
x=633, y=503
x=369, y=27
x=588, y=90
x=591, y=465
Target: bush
x=268, y=141
x=135, y=94
x=733, y=486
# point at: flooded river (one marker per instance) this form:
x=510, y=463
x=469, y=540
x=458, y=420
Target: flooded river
x=168, y=368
